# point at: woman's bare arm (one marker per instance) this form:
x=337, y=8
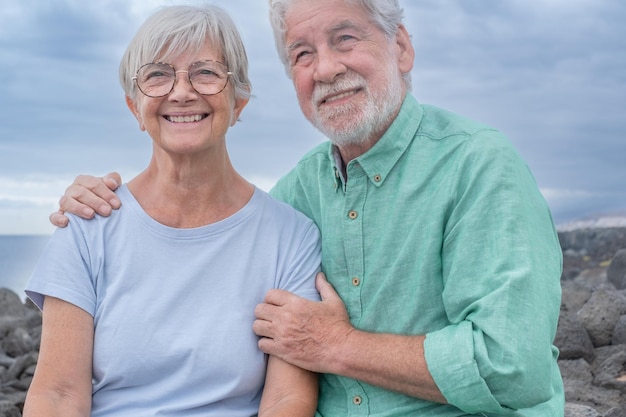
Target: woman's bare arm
x=289, y=391
x=62, y=382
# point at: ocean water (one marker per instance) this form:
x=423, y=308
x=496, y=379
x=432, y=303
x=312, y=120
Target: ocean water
x=18, y=256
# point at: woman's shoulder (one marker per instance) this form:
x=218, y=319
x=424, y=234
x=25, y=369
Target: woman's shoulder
x=281, y=211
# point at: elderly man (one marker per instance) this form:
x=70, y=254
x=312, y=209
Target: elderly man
x=442, y=261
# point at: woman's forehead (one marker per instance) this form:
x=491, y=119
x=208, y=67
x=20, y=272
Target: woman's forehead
x=206, y=50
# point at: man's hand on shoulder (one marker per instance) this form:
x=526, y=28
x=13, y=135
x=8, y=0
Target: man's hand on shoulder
x=88, y=196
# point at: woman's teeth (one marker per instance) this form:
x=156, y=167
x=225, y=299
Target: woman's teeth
x=185, y=119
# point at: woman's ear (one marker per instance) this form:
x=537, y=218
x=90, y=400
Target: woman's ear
x=240, y=103
x=135, y=111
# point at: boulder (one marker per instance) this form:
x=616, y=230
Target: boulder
x=616, y=273
x=600, y=314
x=572, y=338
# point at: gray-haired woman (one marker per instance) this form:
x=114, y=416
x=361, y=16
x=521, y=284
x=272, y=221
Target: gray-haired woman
x=149, y=311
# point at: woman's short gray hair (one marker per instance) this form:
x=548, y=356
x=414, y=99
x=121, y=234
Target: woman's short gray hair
x=387, y=15
x=174, y=30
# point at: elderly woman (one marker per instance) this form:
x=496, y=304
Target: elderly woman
x=149, y=312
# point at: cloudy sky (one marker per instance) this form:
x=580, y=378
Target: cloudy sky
x=551, y=74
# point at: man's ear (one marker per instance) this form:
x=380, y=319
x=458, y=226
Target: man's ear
x=406, y=54
x=135, y=111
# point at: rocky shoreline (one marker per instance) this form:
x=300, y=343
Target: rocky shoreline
x=591, y=336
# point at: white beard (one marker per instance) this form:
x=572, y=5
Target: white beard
x=349, y=124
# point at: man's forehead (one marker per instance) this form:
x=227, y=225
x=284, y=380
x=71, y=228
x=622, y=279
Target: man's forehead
x=328, y=29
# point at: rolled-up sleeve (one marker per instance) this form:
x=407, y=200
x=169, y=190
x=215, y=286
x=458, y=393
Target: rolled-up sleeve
x=501, y=272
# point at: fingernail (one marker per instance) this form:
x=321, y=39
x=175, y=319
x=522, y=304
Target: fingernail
x=113, y=180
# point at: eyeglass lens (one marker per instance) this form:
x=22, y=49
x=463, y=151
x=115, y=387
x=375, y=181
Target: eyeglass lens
x=206, y=77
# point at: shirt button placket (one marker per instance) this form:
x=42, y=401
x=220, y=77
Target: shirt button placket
x=352, y=236
x=359, y=403
x=352, y=214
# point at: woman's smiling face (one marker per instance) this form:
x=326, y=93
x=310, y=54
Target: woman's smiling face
x=185, y=121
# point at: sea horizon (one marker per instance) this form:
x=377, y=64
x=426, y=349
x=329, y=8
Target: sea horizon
x=18, y=256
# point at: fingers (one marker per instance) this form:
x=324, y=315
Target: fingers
x=260, y=312
x=262, y=328
x=267, y=345
x=277, y=297
x=58, y=219
x=89, y=195
x=112, y=180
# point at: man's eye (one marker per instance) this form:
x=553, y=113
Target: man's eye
x=300, y=55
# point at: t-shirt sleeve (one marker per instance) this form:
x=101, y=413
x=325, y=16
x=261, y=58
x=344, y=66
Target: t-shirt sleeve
x=64, y=270
x=305, y=252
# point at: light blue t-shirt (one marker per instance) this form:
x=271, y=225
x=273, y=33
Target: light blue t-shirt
x=173, y=308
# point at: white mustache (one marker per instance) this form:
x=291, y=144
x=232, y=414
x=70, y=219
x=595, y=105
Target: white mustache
x=322, y=91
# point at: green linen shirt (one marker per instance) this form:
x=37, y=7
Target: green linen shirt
x=440, y=230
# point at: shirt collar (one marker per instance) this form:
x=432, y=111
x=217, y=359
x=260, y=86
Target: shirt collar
x=382, y=157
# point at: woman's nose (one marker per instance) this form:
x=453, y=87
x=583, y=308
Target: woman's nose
x=182, y=87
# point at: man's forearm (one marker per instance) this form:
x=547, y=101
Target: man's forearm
x=393, y=362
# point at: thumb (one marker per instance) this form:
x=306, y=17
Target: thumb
x=327, y=292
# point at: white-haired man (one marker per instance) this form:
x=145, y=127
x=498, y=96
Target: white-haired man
x=443, y=266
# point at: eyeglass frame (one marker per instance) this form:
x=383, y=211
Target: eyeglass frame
x=135, y=78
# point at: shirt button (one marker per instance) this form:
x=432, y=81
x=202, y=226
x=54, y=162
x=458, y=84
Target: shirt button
x=377, y=178
x=357, y=400
x=353, y=214
x=356, y=281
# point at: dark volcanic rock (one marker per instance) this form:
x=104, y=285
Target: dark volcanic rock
x=572, y=338
x=594, y=382
x=20, y=335
x=574, y=295
x=600, y=314
x=616, y=273
x=619, y=333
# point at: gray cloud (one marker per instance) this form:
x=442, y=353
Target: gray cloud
x=547, y=73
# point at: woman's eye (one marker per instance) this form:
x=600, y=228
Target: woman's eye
x=156, y=74
x=346, y=40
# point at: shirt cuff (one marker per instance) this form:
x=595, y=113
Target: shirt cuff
x=449, y=354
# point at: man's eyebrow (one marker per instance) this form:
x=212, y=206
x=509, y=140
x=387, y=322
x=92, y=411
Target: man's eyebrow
x=294, y=45
x=344, y=24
